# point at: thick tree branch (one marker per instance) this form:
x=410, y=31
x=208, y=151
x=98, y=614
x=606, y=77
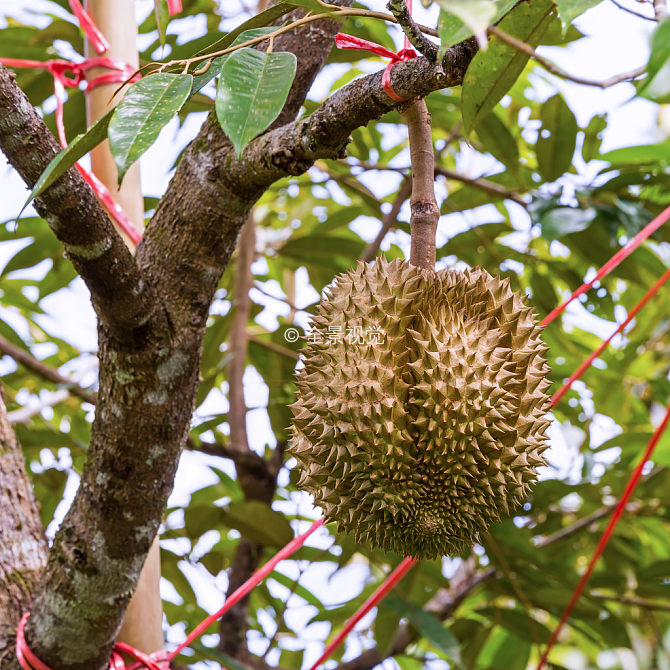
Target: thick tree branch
x=74, y=215
x=196, y=225
x=412, y=31
x=23, y=550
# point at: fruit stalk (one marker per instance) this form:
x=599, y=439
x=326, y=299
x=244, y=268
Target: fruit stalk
x=424, y=210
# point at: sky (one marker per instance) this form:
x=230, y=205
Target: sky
x=631, y=122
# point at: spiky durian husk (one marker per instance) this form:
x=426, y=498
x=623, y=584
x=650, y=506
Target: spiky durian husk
x=417, y=443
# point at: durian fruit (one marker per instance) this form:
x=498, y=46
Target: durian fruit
x=421, y=409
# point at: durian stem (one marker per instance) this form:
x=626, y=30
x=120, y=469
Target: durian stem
x=425, y=212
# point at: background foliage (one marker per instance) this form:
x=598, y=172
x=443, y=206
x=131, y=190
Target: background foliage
x=527, y=195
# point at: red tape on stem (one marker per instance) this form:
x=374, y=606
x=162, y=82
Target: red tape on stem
x=71, y=75
x=401, y=570
x=95, y=37
x=619, y=256
x=598, y=350
x=614, y=519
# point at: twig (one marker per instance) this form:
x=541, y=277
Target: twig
x=310, y=18
x=416, y=38
x=45, y=371
x=425, y=212
x=554, y=69
x=477, y=182
x=389, y=221
x=286, y=301
x=482, y=184
x=632, y=601
x=631, y=11
x=276, y=348
x=26, y=413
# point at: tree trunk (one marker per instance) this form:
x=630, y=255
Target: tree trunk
x=23, y=549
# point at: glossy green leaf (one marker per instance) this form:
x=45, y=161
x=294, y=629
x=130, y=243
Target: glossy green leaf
x=214, y=67
x=64, y=160
x=593, y=137
x=558, y=138
x=565, y=220
x=148, y=105
x=498, y=141
x=477, y=15
x=645, y=153
x=429, y=627
x=657, y=84
x=162, y=18
x=259, y=522
x=258, y=21
x=252, y=90
x=494, y=71
x=452, y=30
x=569, y=10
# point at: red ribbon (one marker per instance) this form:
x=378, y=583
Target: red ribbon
x=174, y=7
x=344, y=41
x=95, y=37
x=71, y=75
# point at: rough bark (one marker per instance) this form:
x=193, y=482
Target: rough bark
x=74, y=215
x=152, y=319
x=23, y=549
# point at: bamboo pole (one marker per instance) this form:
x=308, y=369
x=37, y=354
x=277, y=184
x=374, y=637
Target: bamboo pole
x=143, y=623
x=116, y=20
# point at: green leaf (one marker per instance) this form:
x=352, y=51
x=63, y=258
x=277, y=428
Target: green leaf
x=149, y=104
x=252, y=91
x=258, y=21
x=162, y=18
x=312, y=5
x=452, y=30
x=429, y=627
x=593, y=137
x=569, y=10
x=558, y=137
x=498, y=140
x=475, y=14
x=492, y=72
x=657, y=85
x=218, y=656
x=201, y=80
x=64, y=160
x=642, y=154
x=259, y=522
x=565, y=220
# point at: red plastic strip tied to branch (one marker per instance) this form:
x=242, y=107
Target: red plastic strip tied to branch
x=344, y=41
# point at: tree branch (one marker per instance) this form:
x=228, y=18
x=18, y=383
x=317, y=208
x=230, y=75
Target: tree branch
x=389, y=221
x=27, y=360
x=119, y=296
x=412, y=31
x=554, y=69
